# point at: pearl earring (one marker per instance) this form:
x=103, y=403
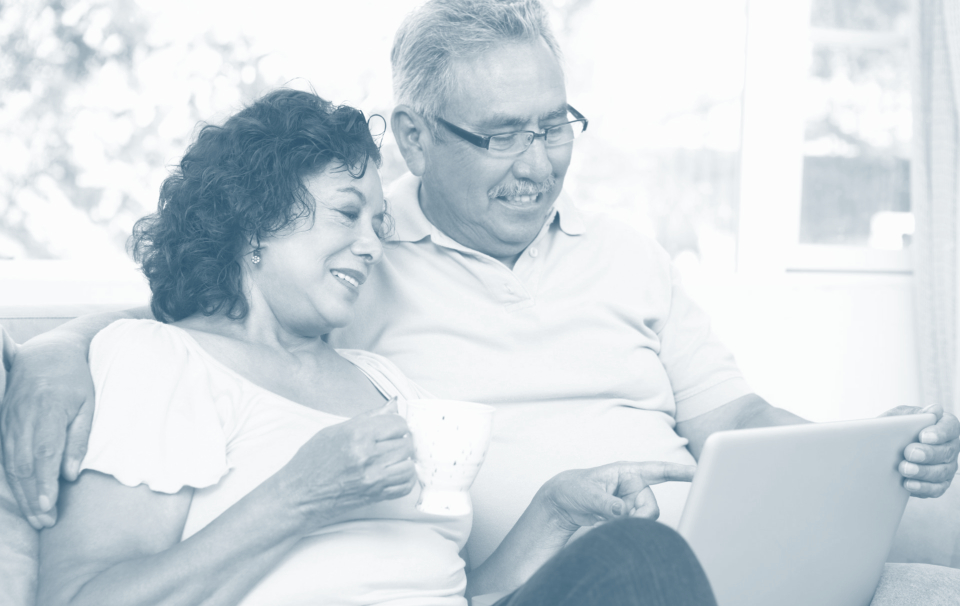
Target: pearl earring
x=256, y=256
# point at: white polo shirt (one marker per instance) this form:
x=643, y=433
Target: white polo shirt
x=588, y=348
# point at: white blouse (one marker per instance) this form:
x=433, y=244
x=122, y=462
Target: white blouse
x=169, y=415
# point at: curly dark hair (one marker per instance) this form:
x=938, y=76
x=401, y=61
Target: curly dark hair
x=237, y=184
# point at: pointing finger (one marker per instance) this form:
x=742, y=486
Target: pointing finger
x=635, y=479
x=656, y=472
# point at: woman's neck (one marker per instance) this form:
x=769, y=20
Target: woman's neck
x=264, y=326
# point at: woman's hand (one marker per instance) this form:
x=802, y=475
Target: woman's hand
x=349, y=465
x=584, y=497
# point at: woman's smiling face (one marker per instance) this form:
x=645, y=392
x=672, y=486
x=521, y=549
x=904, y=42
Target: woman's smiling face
x=311, y=276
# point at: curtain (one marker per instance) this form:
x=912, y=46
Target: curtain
x=935, y=192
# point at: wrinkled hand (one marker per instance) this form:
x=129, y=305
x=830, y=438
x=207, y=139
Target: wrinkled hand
x=47, y=413
x=362, y=461
x=931, y=463
x=584, y=497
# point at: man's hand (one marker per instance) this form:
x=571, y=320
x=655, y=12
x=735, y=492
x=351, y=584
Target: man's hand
x=584, y=497
x=565, y=503
x=931, y=463
x=47, y=412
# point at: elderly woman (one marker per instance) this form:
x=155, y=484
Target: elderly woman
x=236, y=458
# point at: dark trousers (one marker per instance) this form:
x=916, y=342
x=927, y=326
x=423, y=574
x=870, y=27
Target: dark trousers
x=626, y=562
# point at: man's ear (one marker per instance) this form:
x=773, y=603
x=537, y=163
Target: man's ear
x=411, y=133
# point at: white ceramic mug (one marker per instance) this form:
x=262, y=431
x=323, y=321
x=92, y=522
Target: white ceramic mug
x=450, y=439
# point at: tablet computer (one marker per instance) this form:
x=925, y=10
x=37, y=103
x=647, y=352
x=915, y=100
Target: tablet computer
x=799, y=514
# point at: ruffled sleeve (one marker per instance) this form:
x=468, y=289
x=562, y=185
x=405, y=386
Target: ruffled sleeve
x=159, y=419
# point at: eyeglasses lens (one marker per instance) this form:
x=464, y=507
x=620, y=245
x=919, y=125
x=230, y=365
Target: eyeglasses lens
x=511, y=142
x=518, y=142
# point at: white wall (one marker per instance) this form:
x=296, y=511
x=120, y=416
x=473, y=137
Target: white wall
x=45, y=283
x=827, y=346
x=824, y=331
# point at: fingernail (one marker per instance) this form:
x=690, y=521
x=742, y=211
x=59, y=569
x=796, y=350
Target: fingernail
x=73, y=468
x=917, y=455
x=617, y=508
x=909, y=469
x=928, y=437
x=911, y=485
x=34, y=522
x=44, y=503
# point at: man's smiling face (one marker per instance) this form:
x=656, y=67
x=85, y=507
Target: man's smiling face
x=493, y=204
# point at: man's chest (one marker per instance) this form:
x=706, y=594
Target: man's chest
x=474, y=330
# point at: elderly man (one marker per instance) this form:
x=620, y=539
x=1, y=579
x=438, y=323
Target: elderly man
x=498, y=290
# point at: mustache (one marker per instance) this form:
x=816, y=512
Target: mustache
x=523, y=188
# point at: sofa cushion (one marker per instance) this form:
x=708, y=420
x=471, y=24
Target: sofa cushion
x=929, y=531
x=926, y=584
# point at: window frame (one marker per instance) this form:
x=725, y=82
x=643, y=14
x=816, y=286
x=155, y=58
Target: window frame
x=779, y=44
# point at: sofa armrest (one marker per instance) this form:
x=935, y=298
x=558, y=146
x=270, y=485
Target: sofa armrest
x=19, y=542
x=25, y=322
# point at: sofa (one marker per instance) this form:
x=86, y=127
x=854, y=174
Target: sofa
x=929, y=532
x=18, y=540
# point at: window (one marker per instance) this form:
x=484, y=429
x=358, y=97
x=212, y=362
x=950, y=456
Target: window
x=831, y=81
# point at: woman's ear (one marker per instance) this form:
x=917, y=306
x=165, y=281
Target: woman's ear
x=411, y=134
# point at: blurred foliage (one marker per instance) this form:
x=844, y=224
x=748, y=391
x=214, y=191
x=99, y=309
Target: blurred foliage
x=98, y=98
x=859, y=121
x=674, y=195
x=86, y=126
x=841, y=195
x=877, y=15
x=860, y=100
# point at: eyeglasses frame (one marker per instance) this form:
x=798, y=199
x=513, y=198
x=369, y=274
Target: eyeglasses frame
x=483, y=141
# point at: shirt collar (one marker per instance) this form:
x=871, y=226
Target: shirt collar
x=403, y=204
x=411, y=225
x=571, y=219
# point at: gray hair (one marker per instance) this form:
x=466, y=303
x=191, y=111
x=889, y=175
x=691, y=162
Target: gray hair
x=434, y=36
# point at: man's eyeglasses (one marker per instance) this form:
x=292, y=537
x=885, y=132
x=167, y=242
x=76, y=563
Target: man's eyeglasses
x=517, y=142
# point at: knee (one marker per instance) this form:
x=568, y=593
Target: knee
x=639, y=546
x=648, y=553
x=629, y=533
